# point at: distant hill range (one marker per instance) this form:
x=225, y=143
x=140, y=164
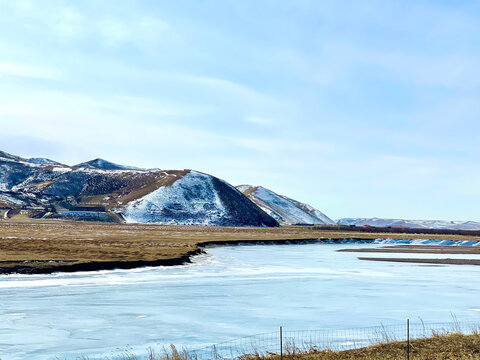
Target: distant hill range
x=103, y=191
x=99, y=190
x=283, y=209
x=413, y=224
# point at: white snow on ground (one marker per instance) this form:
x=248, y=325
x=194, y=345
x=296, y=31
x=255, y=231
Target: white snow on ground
x=243, y=188
x=61, y=170
x=284, y=209
x=10, y=199
x=4, y=171
x=192, y=199
x=311, y=210
x=20, y=186
x=418, y=224
x=111, y=172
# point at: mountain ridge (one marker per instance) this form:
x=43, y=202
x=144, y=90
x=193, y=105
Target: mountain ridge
x=104, y=165
x=90, y=193
x=285, y=210
x=414, y=224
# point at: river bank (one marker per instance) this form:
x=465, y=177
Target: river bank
x=45, y=246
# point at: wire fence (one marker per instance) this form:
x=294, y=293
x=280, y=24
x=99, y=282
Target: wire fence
x=298, y=341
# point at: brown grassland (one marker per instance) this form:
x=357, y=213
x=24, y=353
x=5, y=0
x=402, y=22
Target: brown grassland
x=35, y=246
x=441, y=347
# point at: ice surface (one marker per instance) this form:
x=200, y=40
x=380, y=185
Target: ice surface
x=228, y=293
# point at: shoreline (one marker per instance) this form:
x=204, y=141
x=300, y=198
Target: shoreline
x=100, y=265
x=418, y=249
x=175, y=261
x=45, y=247
x=421, y=249
x=475, y=262
x=187, y=258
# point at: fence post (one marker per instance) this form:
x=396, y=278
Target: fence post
x=408, y=339
x=281, y=344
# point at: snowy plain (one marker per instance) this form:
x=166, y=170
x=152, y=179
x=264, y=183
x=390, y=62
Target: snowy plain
x=228, y=293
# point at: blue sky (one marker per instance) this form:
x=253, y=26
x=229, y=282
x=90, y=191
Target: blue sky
x=360, y=108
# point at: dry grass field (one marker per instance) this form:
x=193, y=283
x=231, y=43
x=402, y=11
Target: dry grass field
x=442, y=347
x=43, y=246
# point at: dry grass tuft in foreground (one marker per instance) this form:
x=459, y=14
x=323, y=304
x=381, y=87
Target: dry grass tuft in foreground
x=437, y=347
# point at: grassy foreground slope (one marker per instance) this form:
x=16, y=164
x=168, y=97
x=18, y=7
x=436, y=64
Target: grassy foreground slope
x=36, y=246
x=441, y=347
x=437, y=347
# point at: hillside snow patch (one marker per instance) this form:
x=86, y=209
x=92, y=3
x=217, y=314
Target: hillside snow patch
x=190, y=200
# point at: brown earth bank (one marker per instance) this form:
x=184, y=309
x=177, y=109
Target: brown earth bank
x=44, y=246
x=440, y=347
x=426, y=261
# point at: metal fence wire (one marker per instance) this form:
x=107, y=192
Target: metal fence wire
x=298, y=341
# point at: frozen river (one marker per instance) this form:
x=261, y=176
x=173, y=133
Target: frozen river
x=228, y=293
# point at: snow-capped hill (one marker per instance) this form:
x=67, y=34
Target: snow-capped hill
x=14, y=170
x=44, y=161
x=4, y=155
x=283, y=209
x=414, y=224
x=196, y=199
x=102, y=165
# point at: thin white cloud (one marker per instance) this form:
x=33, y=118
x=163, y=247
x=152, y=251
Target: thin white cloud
x=30, y=71
x=68, y=23
x=232, y=88
x=63, y=20
x=452, y=70
x=285, y=146
x=113, y=31
x=158, y=108
x=340, y=60
x=262, y=121
x=145, y=29
x=133, y=121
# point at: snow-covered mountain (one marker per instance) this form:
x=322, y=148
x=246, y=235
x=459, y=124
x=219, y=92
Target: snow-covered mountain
x=283, y=209
x=134, y=195
x=103, y=165
x=44, y=161
x=414, y=224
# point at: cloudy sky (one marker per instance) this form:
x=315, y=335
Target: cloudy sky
x=360, y=108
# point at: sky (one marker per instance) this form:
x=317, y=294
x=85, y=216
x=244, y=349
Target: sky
x=359, y=108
